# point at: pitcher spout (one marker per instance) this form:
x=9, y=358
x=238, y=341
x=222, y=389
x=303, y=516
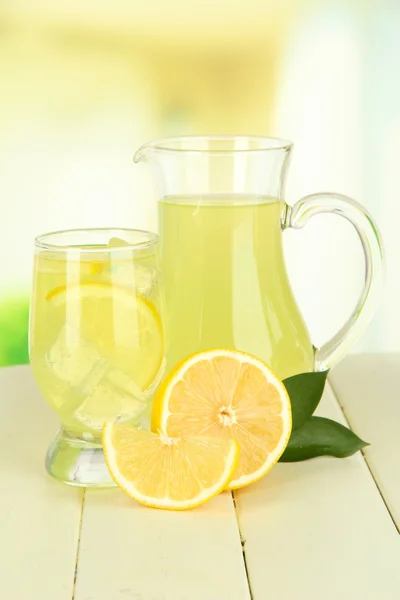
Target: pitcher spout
x=143, y=152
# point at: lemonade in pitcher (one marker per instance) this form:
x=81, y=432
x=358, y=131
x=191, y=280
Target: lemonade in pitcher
x=225, y=282
x=96, y=341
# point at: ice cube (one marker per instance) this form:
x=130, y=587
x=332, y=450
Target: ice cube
x=132, y=274
x=116, y=398
x=116, y=242
x=72, y=359
x=144, y=280
x=123, y=382
x=93, y=378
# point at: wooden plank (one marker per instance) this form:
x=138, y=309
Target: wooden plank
x=129, y=552
x=368, y=390
x=39, y=518
x=319, y=530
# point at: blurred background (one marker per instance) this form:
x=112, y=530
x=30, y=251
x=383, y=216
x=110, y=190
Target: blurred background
x=85, y=83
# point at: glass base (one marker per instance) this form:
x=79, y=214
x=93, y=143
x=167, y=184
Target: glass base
x=77, y=461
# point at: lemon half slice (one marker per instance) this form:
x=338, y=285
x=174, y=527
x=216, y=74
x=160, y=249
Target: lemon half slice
x=169, y=473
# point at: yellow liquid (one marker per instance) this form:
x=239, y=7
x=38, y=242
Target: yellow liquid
x=225, y=282
x=96, y=343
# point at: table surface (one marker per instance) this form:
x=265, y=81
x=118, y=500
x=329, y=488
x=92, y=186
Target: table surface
x=317, y=530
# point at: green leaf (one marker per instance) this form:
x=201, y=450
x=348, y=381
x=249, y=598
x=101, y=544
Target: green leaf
x=319, y=437
x=305, y=392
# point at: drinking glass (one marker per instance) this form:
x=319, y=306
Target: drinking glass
x=96, y=340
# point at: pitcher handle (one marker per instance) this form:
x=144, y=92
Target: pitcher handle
x=296, y=217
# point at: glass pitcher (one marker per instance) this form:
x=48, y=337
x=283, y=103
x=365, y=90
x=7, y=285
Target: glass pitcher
x=221, y=218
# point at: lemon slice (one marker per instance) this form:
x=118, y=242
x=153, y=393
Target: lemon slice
x=231, y=395
x=169, y=473
x=109, y=350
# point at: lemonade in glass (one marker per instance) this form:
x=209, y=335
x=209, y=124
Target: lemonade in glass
x=96, y=339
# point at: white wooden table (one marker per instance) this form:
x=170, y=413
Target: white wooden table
x=319, y=530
